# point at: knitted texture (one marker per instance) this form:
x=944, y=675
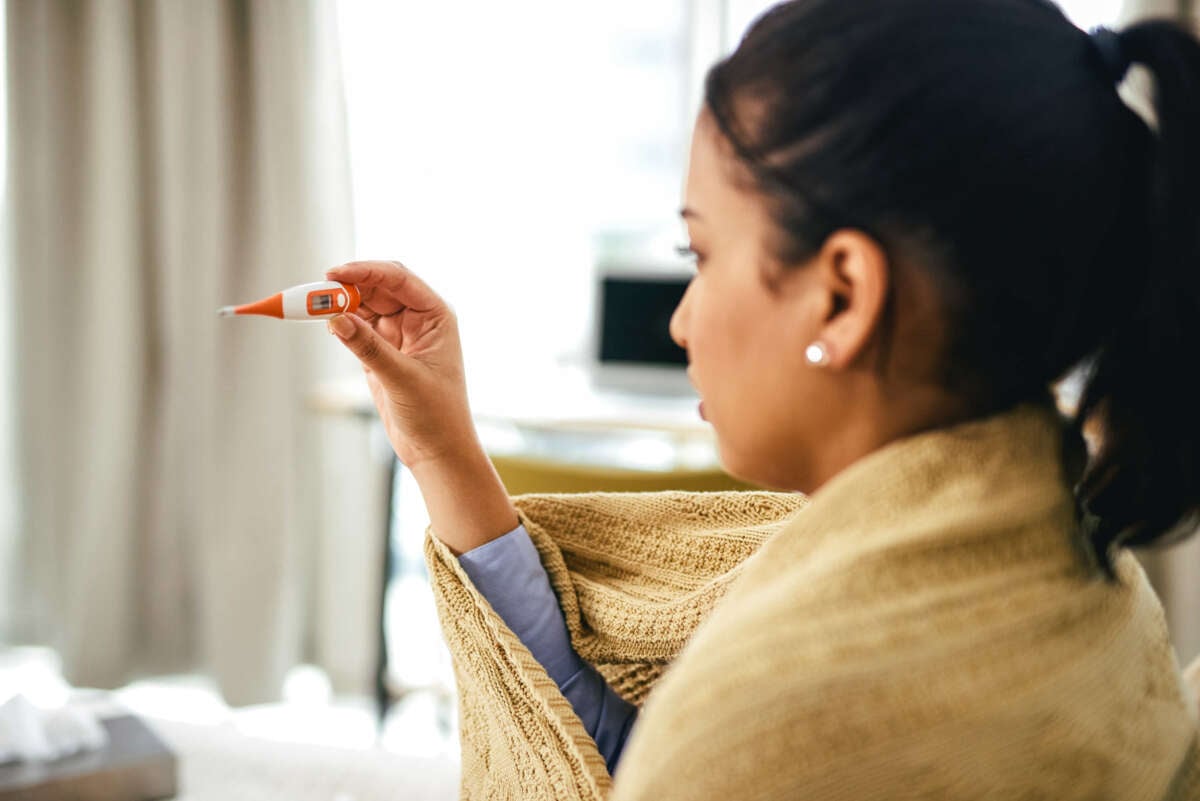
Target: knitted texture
x=926, y=627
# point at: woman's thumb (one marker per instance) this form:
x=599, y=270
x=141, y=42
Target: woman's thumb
x=376, y=353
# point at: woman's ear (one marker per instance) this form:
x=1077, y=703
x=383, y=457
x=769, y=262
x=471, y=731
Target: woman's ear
x=854, y=274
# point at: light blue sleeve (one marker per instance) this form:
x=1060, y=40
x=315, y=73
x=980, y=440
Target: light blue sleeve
x=508, y=572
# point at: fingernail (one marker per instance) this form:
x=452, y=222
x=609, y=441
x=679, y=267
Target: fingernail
x=342, y=325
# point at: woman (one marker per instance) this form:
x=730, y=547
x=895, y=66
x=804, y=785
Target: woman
x=909, y=220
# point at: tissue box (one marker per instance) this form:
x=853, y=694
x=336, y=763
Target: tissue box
x=135, y=765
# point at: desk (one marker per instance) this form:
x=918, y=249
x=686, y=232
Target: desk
x=553, y=398
x=556, y=416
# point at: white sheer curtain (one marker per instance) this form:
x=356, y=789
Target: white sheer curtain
x=166, y=158
x=1139, y=9
x=495, y=145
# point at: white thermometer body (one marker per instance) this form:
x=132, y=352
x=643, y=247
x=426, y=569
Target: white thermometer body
x=318, y=300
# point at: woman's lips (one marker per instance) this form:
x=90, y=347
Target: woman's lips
x=702, y=417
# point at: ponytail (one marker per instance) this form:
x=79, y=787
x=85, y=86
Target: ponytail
x=1142, y=485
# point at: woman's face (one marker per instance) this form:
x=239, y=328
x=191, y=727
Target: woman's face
x=745, y=338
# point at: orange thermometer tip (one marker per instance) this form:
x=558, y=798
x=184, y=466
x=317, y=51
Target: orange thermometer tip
x=319, y=300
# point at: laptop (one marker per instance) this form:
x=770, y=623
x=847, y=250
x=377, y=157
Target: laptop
x=632, y=347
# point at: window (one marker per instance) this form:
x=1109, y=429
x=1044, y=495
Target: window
x=496, y=148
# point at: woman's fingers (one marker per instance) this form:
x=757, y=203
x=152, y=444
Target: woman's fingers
x=387, y=286
x=376, y=354
x=367, y=314
x=390, y=328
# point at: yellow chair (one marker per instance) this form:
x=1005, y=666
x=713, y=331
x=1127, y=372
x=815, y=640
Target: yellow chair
x=522, y=474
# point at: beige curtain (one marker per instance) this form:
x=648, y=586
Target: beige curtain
x=167, y=157
x=1175, y=572
x=1133, y=10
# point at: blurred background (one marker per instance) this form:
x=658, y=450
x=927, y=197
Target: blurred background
x=202, y=514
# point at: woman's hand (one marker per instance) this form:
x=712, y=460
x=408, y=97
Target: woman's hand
x=407, y=340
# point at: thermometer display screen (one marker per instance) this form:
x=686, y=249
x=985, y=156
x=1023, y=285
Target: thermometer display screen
x=322, y=303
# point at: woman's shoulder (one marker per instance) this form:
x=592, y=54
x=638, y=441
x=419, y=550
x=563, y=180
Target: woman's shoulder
x=1039, y=669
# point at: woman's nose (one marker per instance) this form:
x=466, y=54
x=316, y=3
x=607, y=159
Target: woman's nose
x=678, y=324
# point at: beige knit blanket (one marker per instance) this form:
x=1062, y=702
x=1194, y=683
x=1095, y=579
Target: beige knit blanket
x=924, y=628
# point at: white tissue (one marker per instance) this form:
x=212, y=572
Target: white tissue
x=31, y=734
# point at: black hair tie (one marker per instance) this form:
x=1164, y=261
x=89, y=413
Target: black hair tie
x=1108, y=44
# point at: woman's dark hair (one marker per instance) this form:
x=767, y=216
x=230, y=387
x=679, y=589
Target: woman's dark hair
x=985, y=141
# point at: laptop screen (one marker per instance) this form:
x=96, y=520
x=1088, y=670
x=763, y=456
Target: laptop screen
x=635, y=315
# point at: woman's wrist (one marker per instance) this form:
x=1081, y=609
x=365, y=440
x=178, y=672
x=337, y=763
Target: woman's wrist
x=466, y=500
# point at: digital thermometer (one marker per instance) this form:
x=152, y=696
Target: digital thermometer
x=319, y=300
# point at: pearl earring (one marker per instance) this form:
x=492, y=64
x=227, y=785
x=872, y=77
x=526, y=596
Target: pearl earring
x=817, y=354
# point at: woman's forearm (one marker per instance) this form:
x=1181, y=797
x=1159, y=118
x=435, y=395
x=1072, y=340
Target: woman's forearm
x=467, y=503
x=508, y=572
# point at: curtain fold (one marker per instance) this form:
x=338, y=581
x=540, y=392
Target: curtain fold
x=1132, y=10
x=167, y=158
